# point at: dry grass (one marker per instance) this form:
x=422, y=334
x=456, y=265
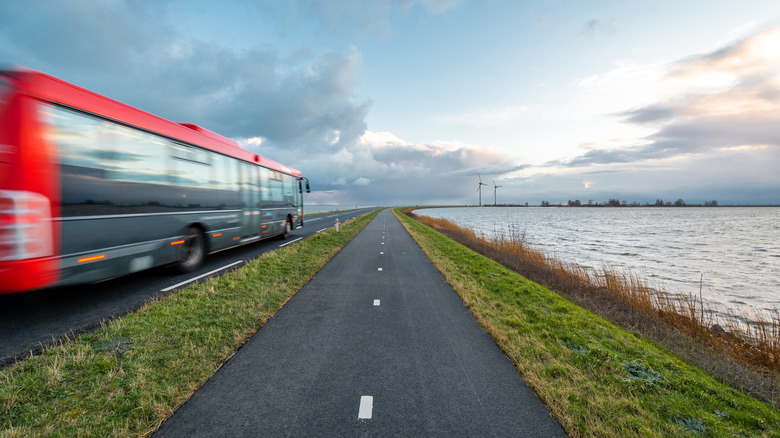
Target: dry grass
x=740, y=350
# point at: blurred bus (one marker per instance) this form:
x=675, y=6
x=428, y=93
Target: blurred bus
x=92, y=189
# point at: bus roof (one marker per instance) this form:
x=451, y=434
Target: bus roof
x=45, y=87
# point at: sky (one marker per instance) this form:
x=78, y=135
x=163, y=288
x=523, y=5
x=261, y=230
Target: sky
x=412, y=102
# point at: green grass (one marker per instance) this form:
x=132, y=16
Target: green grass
x=127, y=377
x=597, y=379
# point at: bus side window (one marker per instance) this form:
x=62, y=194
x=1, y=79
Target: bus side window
x=191, y=166
x=265, y=188
x=82, y=141
x=289, y=190
x=140, y=157
x=226, y=169
x=275, y=189
x=86, y=160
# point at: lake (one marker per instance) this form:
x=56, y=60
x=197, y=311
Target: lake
x=736, y=250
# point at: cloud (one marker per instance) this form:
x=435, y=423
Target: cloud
x=735, y=105
x=651, y=113
x=129, y=51
x=294, y=107
x=94, y=37
x=381, y=166
x=729, y=176
x=598, y=27
x=754, y=54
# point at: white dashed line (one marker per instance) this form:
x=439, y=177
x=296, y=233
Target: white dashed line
x=376, y=302
x=379, y=269
x=366, y=407
x=200, y=276
x=290, y=242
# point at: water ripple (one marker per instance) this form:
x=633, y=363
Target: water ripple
x=734, y=252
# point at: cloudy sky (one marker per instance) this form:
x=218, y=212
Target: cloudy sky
x=406, y=102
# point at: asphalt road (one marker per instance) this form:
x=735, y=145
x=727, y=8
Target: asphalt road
x=30, y=320
x=376, y=344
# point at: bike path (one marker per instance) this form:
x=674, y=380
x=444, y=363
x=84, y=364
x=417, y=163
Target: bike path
x=376, y=344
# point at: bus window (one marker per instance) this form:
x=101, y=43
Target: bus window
x=289, y=189
x=191, y=166
x=85, y=159
x=224, y=173
x=139, y=157
x=275, y=192
x=83, y=141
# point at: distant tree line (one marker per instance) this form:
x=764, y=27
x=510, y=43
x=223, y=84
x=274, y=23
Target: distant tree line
x=618, y=203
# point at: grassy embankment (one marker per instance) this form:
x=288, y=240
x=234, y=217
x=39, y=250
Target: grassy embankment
x=741, y=349
x=127, y=377
x=597, y=379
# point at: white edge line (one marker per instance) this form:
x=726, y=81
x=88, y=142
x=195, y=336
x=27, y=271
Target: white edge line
x=366, y=407
x=288, y=243
x=321, y=230
x=199, y=276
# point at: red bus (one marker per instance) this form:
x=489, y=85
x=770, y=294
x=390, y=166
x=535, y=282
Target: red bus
x=91, y=188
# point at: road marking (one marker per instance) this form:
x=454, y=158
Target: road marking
x=292, y=241
x=321, y=230
x=376, y=302
x=366, y=407
x=380, y=269
x=199, y=276
x=381, y=253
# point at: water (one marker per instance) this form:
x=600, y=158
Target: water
x=735, y=250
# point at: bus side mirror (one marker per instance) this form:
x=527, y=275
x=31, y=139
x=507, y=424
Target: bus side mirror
x=308, y=188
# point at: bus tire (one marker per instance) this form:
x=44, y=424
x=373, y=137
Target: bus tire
x=287, y=229
x=192, y=252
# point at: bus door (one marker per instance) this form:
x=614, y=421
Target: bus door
x=302, y=183
x=250, y=201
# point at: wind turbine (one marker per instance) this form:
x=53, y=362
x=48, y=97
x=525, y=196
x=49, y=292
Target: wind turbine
x=494, y=191
x=479, y=189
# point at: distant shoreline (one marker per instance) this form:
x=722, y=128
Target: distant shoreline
x=614, y=206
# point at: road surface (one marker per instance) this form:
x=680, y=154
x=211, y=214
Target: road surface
x=30, y=320
x=376, y=344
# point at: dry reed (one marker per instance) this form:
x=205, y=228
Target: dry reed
x=740, y=350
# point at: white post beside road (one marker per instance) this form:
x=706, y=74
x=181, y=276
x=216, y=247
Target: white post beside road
x=337, y=224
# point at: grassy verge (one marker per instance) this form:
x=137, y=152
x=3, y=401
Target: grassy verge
x=597, y=379
x=126, y=378
x=743, y=352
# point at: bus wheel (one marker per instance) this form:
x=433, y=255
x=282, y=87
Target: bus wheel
x=287, y=228
x=192, y=252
